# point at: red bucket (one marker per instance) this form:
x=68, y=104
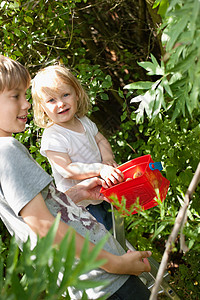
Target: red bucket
x=143, y=177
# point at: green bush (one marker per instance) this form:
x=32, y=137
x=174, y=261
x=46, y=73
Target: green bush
x=164, y=122
x=33, y=274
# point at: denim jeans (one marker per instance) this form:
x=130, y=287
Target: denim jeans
x=102, y=212
x=132, y=289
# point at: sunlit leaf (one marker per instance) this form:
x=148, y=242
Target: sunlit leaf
x=143, y=85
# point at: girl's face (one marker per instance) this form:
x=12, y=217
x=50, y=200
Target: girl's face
x=13, y=111
x=62, y=107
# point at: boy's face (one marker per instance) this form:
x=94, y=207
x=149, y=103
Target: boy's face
x=13, y=111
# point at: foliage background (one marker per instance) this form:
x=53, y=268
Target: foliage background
x=139, y=62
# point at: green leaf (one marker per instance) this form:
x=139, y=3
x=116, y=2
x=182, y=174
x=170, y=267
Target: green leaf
x=166, y=86
x=1, y=273
x=194, y=19
x=186, y=176
x=143, y=85
x=28, y=19
x=18, y=53
x=149, y=104
x=107, y=83
x=123, y=116
x=120, y=93
x=178, y=28
x=17, y=289
x=159, y=101
x=95, y=251
x=85, y=249
x=17, y=32
x=171, y=172
x=180, y=105
x=12, y=258
x=159, y=230
x=44, y=248
x=164, y=4
x=175, y=77
x=152, y=68
x=104, y=96
x=185, y=64
x=193, y=99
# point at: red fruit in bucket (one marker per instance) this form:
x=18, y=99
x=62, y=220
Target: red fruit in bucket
x=137, y=174
x=127, y=179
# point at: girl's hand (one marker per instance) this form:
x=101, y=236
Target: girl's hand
x=111, y=175
x=110, y=162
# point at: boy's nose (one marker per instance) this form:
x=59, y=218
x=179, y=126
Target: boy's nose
x=26, y=104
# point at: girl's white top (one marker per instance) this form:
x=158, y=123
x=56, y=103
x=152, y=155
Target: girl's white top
x=81, y=147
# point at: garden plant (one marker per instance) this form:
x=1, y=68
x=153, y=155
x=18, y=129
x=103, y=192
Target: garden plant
x=140, y=64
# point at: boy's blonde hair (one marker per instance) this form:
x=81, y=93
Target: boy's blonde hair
x=12, y=74
x=39, y=89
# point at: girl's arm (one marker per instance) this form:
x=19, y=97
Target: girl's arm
x=106, y=150
x=80, y=171
x=39, y=219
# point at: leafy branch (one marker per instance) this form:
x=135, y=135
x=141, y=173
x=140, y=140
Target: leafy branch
x=179, y=224
x=178, y=83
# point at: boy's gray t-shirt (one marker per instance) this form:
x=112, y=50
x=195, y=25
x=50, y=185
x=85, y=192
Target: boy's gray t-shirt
x=21, y=179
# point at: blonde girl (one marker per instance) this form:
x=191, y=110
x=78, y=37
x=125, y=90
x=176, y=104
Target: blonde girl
x=72, y=143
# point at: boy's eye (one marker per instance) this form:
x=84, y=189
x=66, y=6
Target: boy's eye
x=15, y=96
x=65, y=95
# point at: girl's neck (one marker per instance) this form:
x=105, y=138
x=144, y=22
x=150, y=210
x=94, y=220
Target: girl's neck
x=73, y=125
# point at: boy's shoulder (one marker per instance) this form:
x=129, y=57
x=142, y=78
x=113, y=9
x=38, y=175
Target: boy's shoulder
x=9, y=143
x=11, y=148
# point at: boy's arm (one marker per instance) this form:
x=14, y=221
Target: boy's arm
x=106, y=150
x=39, y=219
x=80, y=171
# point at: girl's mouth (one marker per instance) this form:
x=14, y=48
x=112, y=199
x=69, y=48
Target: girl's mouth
x=63, y=111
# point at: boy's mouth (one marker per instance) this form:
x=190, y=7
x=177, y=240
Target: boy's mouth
x=22, y=118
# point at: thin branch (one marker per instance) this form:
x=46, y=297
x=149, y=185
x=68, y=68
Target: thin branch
x=179, y=222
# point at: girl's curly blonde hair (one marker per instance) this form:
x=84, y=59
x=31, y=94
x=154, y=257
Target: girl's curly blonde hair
x=39, y=89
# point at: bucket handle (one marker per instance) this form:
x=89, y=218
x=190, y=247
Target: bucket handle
x=156, y=166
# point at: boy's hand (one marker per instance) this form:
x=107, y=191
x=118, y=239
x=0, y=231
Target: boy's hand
x=111, y=175
x=87, y=189
x=132, y=263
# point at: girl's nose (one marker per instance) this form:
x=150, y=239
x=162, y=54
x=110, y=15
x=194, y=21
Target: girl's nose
x=60, y=103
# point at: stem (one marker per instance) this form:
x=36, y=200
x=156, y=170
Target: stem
x=179, y=222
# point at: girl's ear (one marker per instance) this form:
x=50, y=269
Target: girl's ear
x=42, y=108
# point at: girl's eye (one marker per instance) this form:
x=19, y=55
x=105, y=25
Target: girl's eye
x=65, y=95
x=15, y=96
x=50, y=101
